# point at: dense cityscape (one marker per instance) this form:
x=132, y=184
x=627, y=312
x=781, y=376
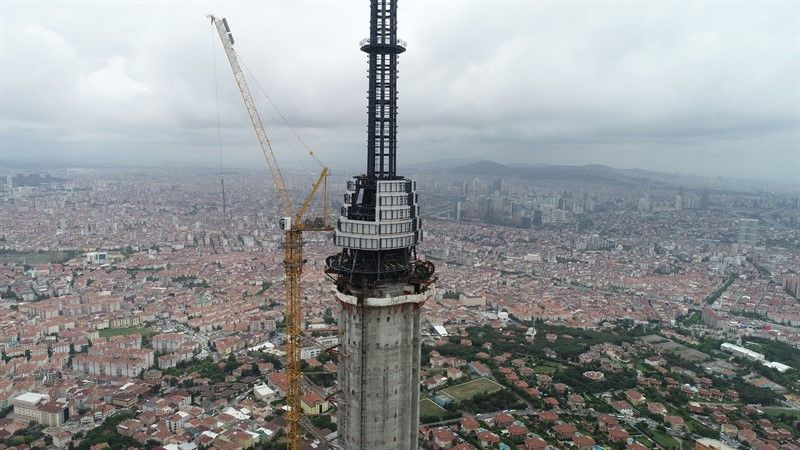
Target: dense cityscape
x=565, y=226
x=578, y=307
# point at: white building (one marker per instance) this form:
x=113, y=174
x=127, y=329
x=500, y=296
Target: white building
x=327, y=341
x=34, y=407
x=265, y=393
x=310, y=352
x=97, y=257
x=502, y=316
x=742, y=352
x=780, y=367
x=26, y=406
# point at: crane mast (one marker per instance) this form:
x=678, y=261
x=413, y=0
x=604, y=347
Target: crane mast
x=293, y=225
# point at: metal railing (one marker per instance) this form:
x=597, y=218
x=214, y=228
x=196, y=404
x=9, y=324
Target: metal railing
x=367, y=41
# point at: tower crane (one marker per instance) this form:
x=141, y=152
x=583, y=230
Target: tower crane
x=293, y=224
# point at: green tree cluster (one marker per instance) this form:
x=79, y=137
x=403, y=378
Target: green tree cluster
x=107, y=432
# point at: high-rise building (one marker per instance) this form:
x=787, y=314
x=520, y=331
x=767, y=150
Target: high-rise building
x=680, y=199
x=704, y=199
x=380, y=283
x=748, y=232
x=791, y=285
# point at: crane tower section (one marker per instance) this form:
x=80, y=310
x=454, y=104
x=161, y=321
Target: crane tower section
x=380, y=282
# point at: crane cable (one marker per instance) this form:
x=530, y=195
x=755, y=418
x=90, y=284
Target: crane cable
x=264, y=93
x=219, y=131
x=302, y=163
x=216, y=94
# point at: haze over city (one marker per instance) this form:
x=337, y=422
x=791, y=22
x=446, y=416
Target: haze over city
x=706, y=88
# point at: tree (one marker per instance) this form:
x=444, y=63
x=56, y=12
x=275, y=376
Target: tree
x=755, y=395
x=231, y=364
x=489, y=402
x=328, y=317
x=107, y=432
x=323, y=357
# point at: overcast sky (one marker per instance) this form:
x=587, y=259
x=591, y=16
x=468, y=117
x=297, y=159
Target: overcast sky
x=707, y=88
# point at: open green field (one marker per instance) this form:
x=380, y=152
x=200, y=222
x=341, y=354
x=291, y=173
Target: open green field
x=465, y=391
x=34, y=258
x=545, y=370
x=644, y=440
x=681, y=350
x=665, y=440
x=654, y=339
x=109, y=332
x=428, y=408
x=773, y=412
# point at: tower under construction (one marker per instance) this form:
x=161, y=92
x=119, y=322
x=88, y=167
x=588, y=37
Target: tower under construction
x=380, y=283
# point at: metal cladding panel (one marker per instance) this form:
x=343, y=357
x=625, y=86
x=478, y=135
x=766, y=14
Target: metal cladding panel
x=395, y=204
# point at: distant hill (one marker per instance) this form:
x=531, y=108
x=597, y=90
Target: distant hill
x=441, y=163
x=485, y=168
x=589, y=173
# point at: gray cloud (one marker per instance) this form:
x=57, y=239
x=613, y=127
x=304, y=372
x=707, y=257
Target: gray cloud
x=710, y=88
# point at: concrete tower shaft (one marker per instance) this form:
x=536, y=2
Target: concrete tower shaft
x=379, y=376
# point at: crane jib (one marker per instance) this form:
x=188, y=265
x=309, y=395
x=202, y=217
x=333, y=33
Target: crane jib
x=293, y=238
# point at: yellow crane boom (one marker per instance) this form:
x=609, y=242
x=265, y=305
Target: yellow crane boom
x=266, y=148
x=293, y=225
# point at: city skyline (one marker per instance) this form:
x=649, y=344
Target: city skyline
x=559, y=233
x=134, y=311
x=706, y=89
